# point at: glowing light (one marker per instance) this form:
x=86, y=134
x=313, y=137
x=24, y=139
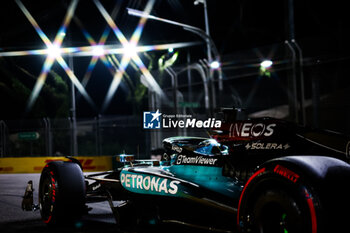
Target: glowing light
x=215, y=65
x=33, y=22
x=98, y=50
x=54, y=53
x=75, y=80
x=108, y=49
x=54, y=50
x=130, y=50
x=115, y=82
x=40, y=81
x=198, y=1
x=111, y=23
x=266, y=64
x=130, y=54
x=23, y=53
x=265, y=68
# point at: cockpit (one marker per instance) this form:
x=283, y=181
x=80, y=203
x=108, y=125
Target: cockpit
x=211, y=147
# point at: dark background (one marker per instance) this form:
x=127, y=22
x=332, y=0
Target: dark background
x=245, y=32
x=237, y=28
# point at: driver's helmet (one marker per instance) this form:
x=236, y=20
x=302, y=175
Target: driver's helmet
x=211, y=147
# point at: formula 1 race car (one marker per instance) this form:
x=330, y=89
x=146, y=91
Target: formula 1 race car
x=256, y=175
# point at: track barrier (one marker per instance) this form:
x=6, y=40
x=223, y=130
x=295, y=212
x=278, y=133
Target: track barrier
x=36, y=164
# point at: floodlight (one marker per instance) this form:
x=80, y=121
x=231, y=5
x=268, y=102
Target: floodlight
x=98, y=50
x=130, y=49
x=54, y=51
x=215, y=65
x=266, y=64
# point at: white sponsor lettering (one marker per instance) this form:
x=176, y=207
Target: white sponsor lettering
x=200, y=160
x=269, y=130
x=96, y=186
x=163, y=186
x=258, y=129
x=122, y=178
x=176, y=148
x=148, y=183
x=251, y=130
x=173, y=187
x=266, y=146
x=127, y=180
x=154, y=184
x=245, y=132
x=138, y=182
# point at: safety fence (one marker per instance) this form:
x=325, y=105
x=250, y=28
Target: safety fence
x=36, y=164
x=54, y=137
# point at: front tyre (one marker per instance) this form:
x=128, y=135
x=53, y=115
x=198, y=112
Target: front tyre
x=61, y=192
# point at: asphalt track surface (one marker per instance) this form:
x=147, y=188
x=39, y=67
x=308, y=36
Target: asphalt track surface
x=13, y=219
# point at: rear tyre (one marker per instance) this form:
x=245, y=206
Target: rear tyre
x=277, y=205
x=61, y=193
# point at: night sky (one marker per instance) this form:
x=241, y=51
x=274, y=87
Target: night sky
x=236, y=26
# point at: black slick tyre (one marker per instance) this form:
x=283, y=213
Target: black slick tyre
x=61, y=193
x=276, y=211
x=270, y=203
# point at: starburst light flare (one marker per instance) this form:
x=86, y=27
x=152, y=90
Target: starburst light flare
x=85, y=51
x=126, y=58
x=97, y=50
x=50, y=59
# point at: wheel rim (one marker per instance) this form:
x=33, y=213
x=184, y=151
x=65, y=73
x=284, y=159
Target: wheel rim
x=47, y=197
x=279, y=214
x=275, y=219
